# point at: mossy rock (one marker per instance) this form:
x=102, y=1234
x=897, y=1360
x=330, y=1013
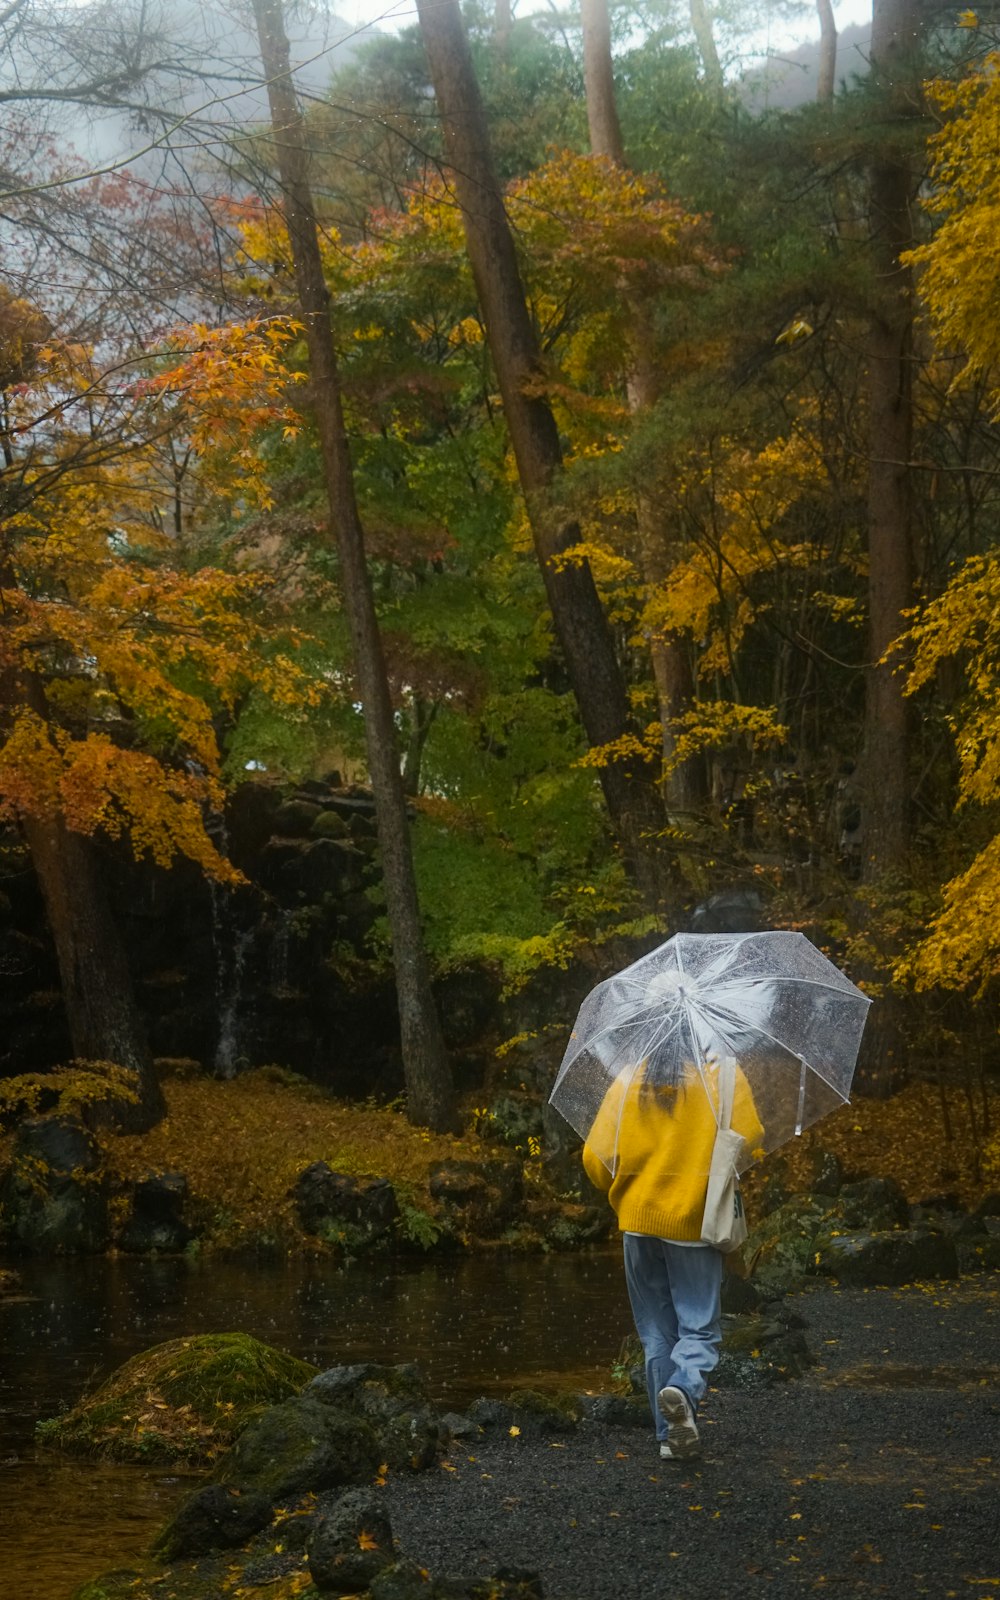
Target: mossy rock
x=529, y=1412
x=299, y=1446
x=780, y=1250
x=184, y=1400
x=901, y=1256
x=560, y=1407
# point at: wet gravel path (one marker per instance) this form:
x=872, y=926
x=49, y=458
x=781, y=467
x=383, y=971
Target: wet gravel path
x=878, y=1474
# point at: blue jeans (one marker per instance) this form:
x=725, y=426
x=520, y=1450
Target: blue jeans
x=675, y=1291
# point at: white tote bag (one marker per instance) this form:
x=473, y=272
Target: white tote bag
x=724, y=1224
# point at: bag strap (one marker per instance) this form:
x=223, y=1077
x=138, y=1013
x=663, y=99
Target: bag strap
x=727, y=1091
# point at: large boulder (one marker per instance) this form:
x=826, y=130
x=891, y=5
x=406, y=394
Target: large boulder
x=873, y=1204
x=979, y=1254
x=294, y=818
x=394, y=1400
x=760, y=1351
x=344, y=1210
x=905, y=1255
x=825, y=1174
x=183, y=1400
x=312, y=867
x=404, y=1580
x=779, y=1251
x=481, y=1198
x=155, y=1218
x=302, y=1445
x=527, y=1412
x=52, y=1198
x=789, y=1244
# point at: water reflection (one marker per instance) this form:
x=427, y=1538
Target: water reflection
x=482, y=1325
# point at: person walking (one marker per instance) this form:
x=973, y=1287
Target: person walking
x=663, y=1134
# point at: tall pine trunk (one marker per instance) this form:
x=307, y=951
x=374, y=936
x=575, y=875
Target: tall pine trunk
x=429, y=1090
x=581, y=626
x=886, y=761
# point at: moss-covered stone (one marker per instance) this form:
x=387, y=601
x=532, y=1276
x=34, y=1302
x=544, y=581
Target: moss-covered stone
x=900, y=1256
x=527, y=1412
x=780, y=1250
x=301, y=1445
x=561, y=1407
x=351, y=1543
x=184, y=1400
x=215, y=1517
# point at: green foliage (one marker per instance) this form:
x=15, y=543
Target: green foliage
x=628, y=1359
x=416, y=1227
x=515, y=1123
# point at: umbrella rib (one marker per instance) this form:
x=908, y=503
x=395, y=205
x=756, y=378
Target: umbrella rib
x=851, y=992
x=721, y=960
x=626, y=1086
x=733, y=1016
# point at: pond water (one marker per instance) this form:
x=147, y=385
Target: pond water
x=481, y=1325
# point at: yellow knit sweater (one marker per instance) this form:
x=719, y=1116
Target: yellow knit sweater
x=663, y=1151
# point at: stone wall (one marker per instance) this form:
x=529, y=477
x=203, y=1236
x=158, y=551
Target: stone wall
x=276, y=971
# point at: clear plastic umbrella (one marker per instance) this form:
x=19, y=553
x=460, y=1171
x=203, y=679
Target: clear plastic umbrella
x=790, y=1018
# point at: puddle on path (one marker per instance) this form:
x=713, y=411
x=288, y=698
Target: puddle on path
x=903, y=1375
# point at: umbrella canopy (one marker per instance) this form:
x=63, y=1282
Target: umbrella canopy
x=790, y=1018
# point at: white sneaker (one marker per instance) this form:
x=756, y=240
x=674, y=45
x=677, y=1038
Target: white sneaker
x=666, y=1454
x=675, y=1406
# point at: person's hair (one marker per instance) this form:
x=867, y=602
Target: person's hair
x=662, y=1073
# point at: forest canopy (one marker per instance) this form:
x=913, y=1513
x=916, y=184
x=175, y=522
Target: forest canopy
x=633, y=445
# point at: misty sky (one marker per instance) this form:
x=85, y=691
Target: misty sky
x=391, y=15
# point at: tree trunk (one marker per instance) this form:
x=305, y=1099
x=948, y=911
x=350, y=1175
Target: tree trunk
x=685, y=787
x=890, y=400
x=423, y=713
x=430, y=1094
x=104, y=1019
x=886, y=763
x=503, y=17
x=581, y=626
x=598, y=76
x=701, y=25
x=826, y=71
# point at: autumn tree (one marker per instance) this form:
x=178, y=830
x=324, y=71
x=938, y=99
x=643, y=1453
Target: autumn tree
x=114, y=664
x=951, y=650
x=581, y=626
x=69, y=249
